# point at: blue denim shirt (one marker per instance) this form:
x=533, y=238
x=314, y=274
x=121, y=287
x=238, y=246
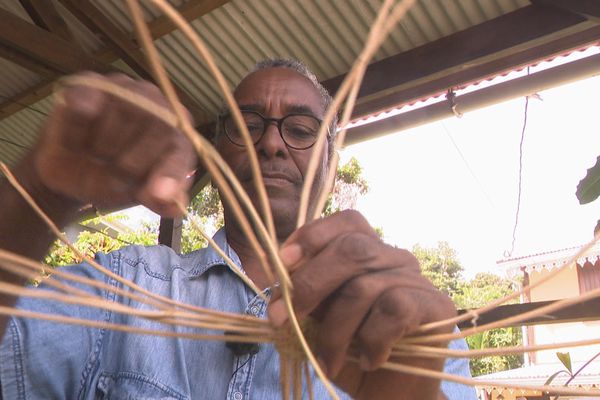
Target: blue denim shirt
x=45, y=360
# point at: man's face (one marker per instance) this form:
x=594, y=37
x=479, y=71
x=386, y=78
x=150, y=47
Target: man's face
x=275, y=93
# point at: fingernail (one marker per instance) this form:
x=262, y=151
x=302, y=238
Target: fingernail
x=165, y=188
x=277, y=313
x=290, y=254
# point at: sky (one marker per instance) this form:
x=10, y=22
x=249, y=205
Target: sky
x=456, y=180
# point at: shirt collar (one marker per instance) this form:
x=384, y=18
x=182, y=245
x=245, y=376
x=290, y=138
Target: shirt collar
x=206, y=258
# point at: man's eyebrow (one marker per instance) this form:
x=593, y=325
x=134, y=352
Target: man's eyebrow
x=252, y=107
x=300, y=109
x=290, y=109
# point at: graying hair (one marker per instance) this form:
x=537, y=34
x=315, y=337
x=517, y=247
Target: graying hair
x=303, y=70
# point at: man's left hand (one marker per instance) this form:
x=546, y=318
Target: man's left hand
x=364, y=291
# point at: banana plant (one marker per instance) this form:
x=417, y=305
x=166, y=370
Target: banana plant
x=565, y=359
x=588, y=188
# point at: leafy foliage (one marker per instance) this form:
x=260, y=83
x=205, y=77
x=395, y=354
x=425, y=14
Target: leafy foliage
x=88, y=243
x=206, y=209
x=207, y=203
x=481, y=290
x=442, y=267
x=565, y=359
x=495, y=338
x=349, y=185
x=588, y=188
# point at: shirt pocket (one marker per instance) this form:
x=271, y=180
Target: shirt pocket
x=132, y=386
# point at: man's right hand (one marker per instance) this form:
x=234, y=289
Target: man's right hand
x=99, y=149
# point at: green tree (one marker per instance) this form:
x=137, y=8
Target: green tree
x=481, y=290
x=89, y=242
x=207, y=211
x=206, y=208
x=441, y=266
x=349, y=186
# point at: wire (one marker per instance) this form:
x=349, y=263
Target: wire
x=242, y=366
x=13, y=143
x=460, y=153
x=514, y=233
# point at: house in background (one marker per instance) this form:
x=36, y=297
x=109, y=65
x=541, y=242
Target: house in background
x=570, y=281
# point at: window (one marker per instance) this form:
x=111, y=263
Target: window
x=589, y=275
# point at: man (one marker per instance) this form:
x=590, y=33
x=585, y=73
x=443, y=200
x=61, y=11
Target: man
x=95, y=148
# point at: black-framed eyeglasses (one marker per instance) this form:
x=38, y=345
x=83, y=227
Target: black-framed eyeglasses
x=298, y=131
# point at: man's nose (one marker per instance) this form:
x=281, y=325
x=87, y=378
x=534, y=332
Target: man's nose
x=271, y=144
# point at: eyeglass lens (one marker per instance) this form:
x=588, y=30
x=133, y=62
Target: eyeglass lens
x=297, y=130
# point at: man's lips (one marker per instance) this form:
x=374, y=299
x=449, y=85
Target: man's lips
x=272, y=177
x=276, y=176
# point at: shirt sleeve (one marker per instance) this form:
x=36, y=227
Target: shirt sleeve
x=460, y=367
x=42, y=359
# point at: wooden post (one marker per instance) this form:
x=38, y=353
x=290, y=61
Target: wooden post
x=169, y=233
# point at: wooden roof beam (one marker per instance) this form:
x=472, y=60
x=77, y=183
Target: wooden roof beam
x=458, y=58
x=26, y=99
x=191, y=10
x=18, y=58
x=125, y=47
x=160, y=27
x=589, y=9
x=44, y=14
x=45, y=48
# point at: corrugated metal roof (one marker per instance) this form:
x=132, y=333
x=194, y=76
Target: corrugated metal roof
x=326, y=35
x=14, y=79
x=536, y=375
x=549, y=260
x=19, y=131
x=86, y=39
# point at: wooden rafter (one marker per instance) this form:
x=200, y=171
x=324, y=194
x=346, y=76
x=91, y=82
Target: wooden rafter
x=125, y=47
x=462, y=57
x=115, y=39
x=190, y=10
x=584, y=311
x=473, y=73
x=44, y=14
x=160, y=27
x=588, y=8
x=27, y=98
x=45, y=48
x=19, y=58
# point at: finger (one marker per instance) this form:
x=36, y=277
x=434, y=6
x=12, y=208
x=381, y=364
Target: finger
x=313, y=237
x=168, y=183
x=396, y=313
x=80, y=180
x=346, y=257
x=139, y=157
x=71, y=121
x=123, y=122
x=392, y=315
x=344, y=314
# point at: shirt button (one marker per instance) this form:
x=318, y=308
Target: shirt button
x=254, y=311
x=238, y=396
